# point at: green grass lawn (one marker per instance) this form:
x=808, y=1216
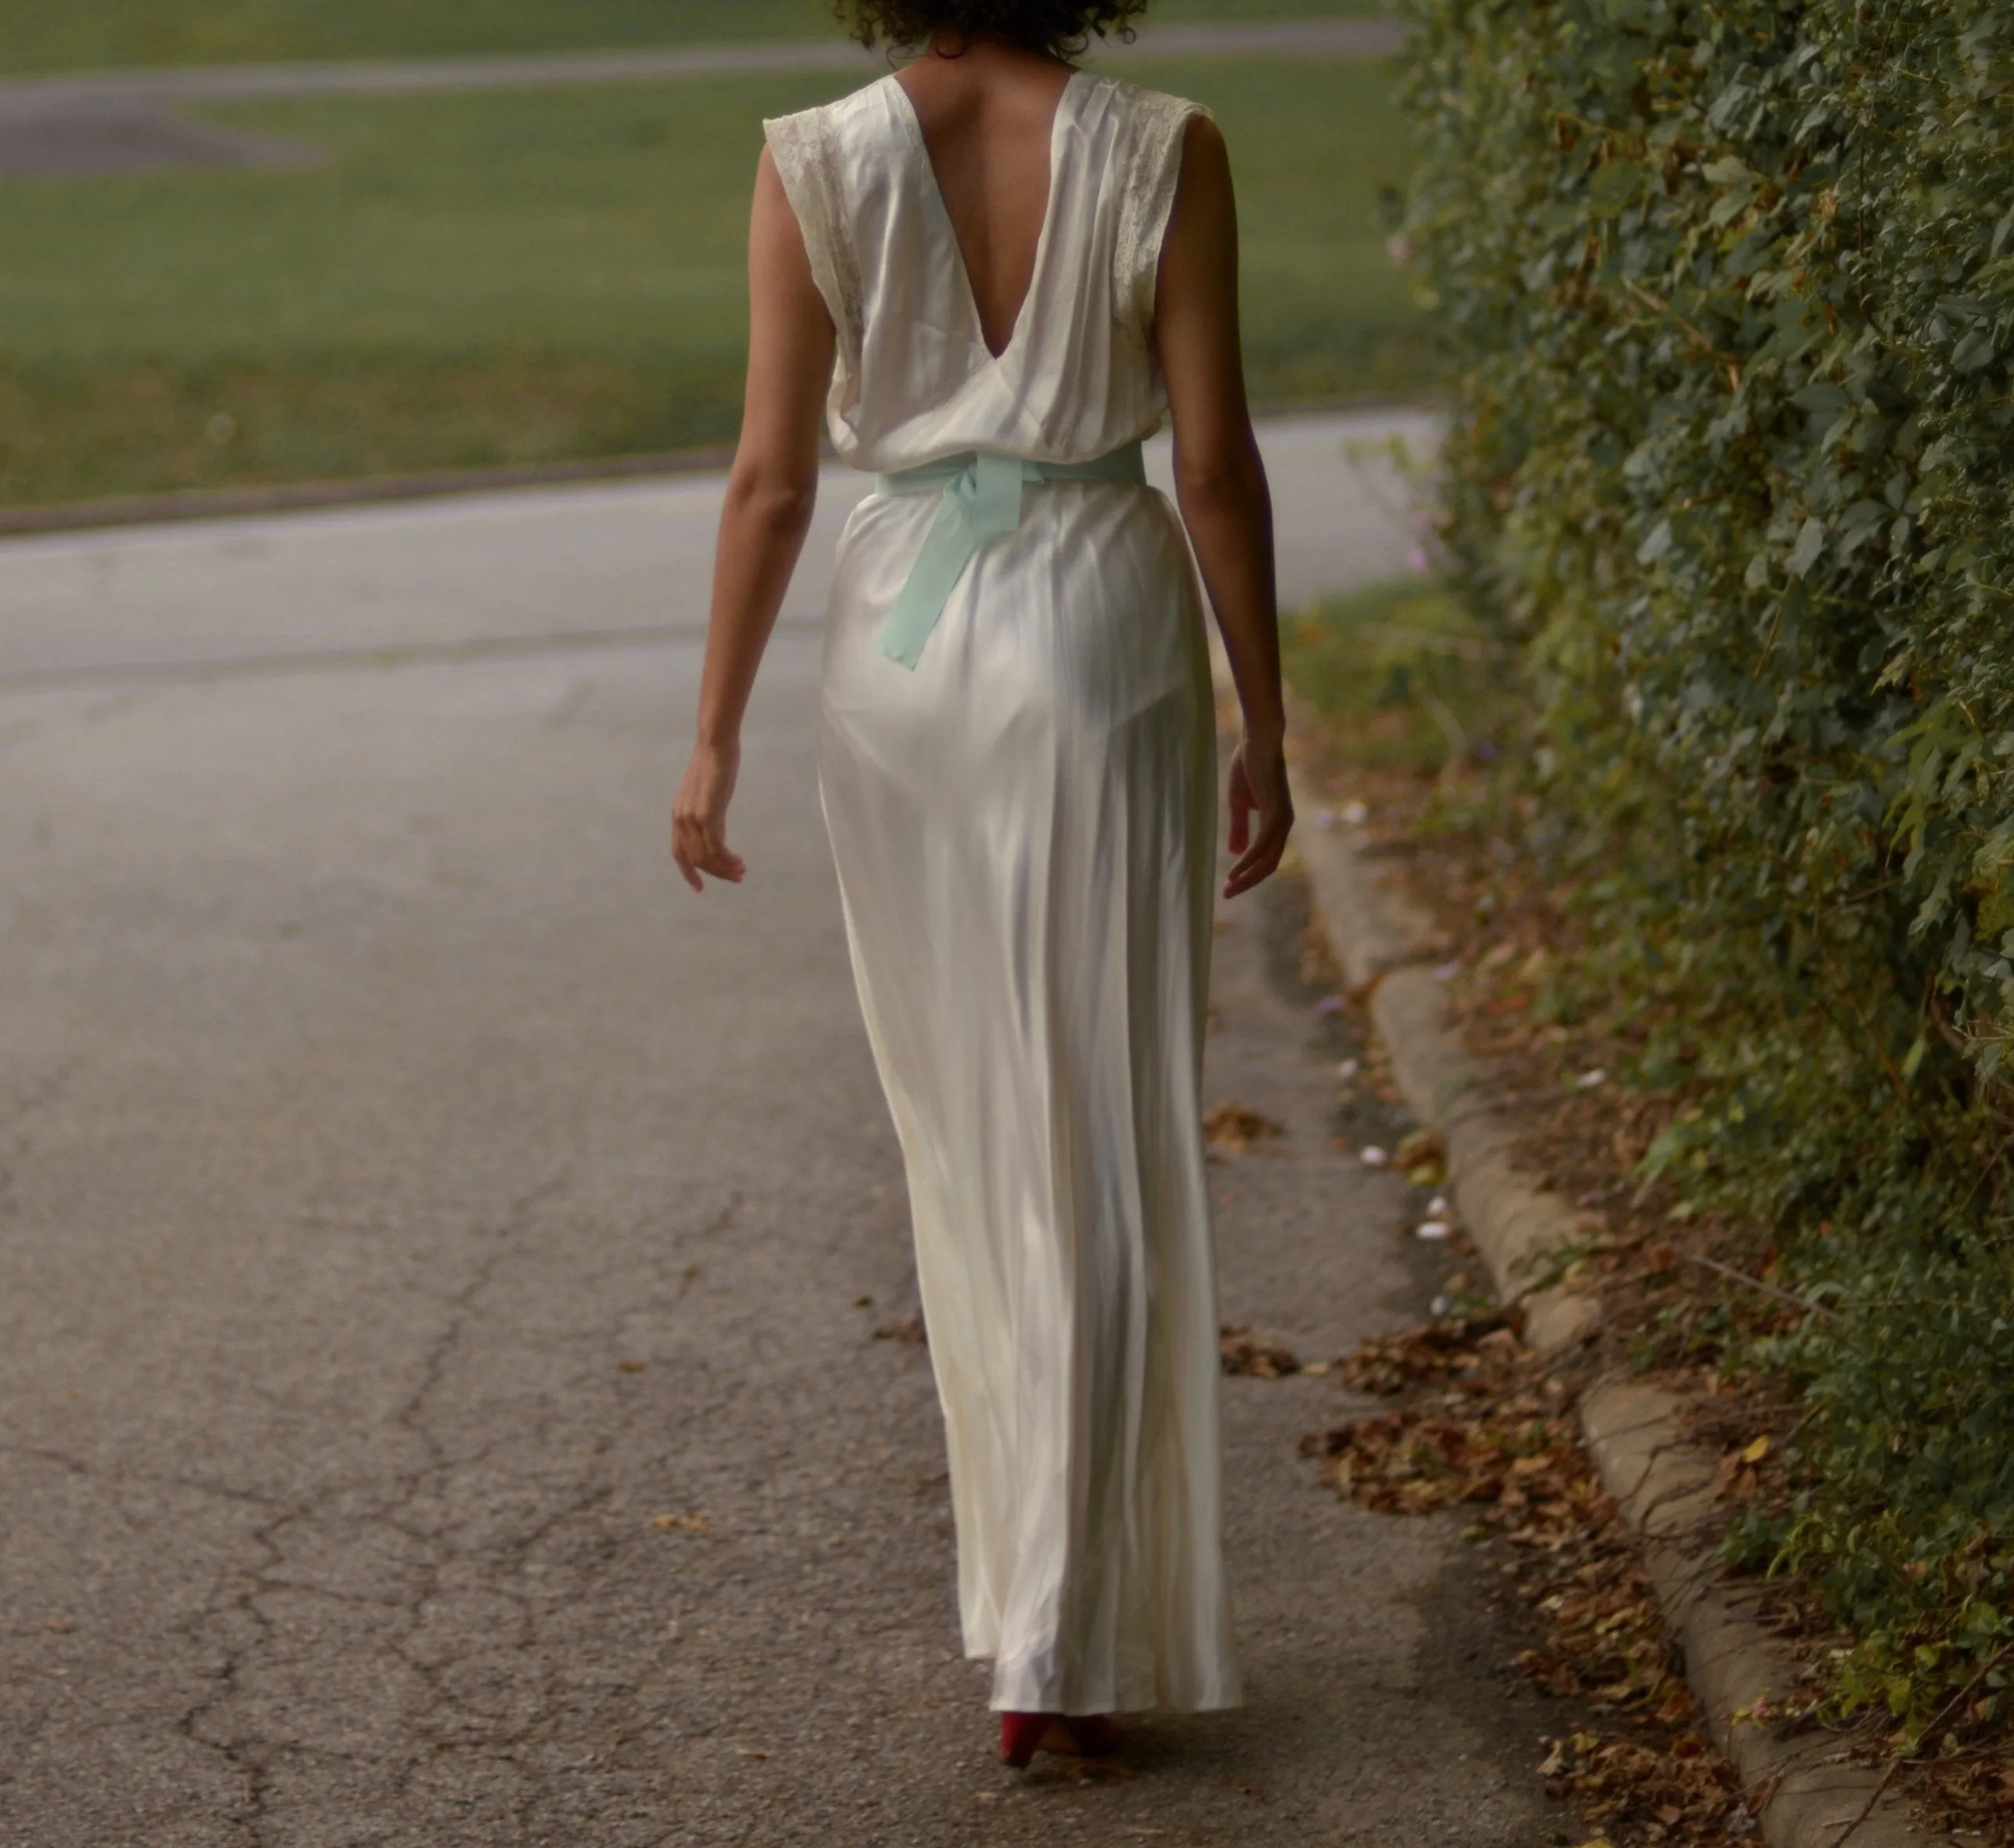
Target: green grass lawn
x=1400, y=676
x=479, y=280
x=78, y=34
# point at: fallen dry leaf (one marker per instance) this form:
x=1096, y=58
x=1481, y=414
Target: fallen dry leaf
x=1422, y=1145
x=908, y=1331
x=1440, y=1350
x=1423, y=1157
x=1236, y=1130
x=691, y=1523
x=1255, y=1356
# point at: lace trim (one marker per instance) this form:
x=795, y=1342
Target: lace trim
x=1152, y=165
x=807, y=163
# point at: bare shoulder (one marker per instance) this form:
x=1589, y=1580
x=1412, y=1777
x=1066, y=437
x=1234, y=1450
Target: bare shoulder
x=1205, y=209
x=1201, y=132
x=772, y=195
x=1206, y=157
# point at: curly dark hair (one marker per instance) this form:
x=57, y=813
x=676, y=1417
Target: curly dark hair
x=1062, y=28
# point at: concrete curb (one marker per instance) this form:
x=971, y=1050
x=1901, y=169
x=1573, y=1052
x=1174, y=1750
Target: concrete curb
x=249, y=502
x=1386, y=948
x=1806, y=1794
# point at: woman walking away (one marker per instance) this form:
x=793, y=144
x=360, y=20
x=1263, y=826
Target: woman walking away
x=997, y=272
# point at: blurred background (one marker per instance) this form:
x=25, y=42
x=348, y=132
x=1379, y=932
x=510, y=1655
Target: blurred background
x=233, y=258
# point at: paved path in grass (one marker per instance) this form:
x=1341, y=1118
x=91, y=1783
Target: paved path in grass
x=441, y=1259
x=122, y=121
x=1346, y=38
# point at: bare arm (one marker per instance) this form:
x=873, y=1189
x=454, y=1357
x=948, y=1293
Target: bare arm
x=770, y=492
x=1220, y=485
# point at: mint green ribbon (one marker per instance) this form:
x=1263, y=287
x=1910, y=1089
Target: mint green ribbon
x=982, y=500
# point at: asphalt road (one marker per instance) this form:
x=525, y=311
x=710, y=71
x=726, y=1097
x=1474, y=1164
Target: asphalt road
x=440, y=1258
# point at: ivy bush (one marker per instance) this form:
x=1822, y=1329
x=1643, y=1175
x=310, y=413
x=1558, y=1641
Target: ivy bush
x=1726, y=295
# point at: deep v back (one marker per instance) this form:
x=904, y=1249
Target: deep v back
x=1072, y=376
x=1019, y=269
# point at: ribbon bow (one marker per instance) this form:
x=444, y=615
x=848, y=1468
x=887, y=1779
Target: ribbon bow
x=982, y=500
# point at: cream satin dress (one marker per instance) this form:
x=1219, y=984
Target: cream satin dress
x=1024, y=830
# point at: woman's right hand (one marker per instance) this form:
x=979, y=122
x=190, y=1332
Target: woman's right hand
x=699, y=817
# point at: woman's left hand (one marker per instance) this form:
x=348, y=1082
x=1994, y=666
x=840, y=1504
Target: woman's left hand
x=699, y=818
x=1258, y=787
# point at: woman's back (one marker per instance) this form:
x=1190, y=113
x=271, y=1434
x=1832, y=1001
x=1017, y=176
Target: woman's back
x=988, y=120
x=994, y=292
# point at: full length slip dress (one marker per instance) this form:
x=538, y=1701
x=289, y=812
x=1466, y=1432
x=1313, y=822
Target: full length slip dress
x=1023, y=824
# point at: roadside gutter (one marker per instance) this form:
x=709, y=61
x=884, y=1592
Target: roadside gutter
x=1806, y=1791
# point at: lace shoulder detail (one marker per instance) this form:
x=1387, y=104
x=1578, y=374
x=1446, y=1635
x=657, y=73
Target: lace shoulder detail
x=1151, y=165
x=807, y=157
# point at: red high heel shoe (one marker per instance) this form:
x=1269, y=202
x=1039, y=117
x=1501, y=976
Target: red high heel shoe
x=1095, y=1735
x=1020, y=1734
x=1079, y=1735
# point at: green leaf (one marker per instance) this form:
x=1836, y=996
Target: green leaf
x=1728, y=171
x=1975, y=352
x=1810, y=543
x=1615, y=186
x=1656, y=544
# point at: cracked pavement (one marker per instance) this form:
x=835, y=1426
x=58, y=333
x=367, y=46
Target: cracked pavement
x=440, y=1260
